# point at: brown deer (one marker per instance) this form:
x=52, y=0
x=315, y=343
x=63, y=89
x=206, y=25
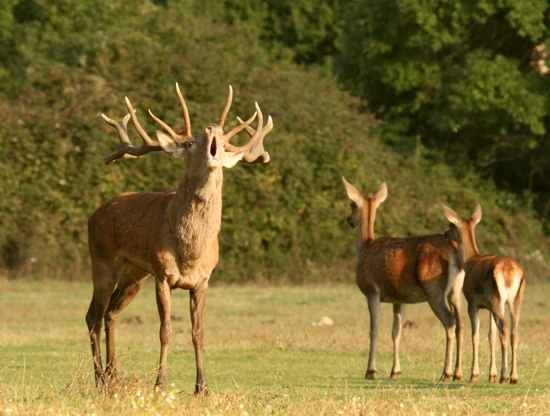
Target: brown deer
x=405, y=270
x=490, y=283
x=172, y=235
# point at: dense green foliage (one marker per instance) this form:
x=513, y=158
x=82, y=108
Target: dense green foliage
x=64, y=63
x=469, y=78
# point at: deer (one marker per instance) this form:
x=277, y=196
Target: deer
x=171, y=235
x=491, y=282
x=402, y=271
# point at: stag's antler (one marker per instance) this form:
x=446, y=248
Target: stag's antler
x=254, y=149
x=127, y=149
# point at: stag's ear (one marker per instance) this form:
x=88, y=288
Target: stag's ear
x=231, y=159
x=169, y=145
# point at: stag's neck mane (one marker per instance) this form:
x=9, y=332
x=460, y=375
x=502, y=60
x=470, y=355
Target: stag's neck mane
x=196, y=212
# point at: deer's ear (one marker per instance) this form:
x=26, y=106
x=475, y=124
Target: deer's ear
x=169, y=145
x=452, y=216
x=353, y=193
x=476, y=214
x=381, y=193
x=231, y=159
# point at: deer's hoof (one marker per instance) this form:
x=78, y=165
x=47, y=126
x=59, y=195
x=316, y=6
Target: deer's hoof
x=395, y=375
x=492, y=379
x=370, y=375
x=503, y=380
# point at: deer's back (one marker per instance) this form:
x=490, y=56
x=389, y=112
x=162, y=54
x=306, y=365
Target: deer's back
x=487, y=275
x=405, y=269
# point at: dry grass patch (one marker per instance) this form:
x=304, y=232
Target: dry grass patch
x=265, y=354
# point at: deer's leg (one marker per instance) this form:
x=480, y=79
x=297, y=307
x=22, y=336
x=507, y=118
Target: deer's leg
x=515, y=309
x=125, y=292
x=398, y=316
x=440, y=309
x=455, y=302
x=197, y=300
x=498, y=321
x=373, y=301
x=163, y=294
x=94, y=317
x=473, y=313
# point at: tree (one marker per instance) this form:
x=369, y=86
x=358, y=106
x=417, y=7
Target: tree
x=465, y=77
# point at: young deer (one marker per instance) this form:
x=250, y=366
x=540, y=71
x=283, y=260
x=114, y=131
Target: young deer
x=491, y=282
x=405, y=270
x=172, y=235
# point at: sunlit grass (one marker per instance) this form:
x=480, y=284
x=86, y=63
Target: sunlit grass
x=265, y=354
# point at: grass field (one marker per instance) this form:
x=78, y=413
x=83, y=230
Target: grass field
x=263, y=356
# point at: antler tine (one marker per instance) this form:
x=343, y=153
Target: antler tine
x=165, y=126
x=185, y=113
x=227, y=107
x=254, y=151
x=126, y=148
x=243, y=125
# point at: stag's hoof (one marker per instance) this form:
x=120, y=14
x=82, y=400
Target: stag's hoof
x=202, y=390
x=160, y=388
x=395, y=375
x=503, y=380
x=100, y=380
x=513, y=381
x=370, y=375
x=474, y=378
x=492, y=379
x=457, y=377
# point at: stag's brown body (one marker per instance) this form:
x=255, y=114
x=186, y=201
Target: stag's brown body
x=172, y=235
x=405, y=271
x=491, y=282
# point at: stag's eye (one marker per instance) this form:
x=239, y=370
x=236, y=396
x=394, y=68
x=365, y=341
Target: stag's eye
x=190, y=143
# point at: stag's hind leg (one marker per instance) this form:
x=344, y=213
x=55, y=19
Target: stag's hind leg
x=103, y=287
x=126, y=290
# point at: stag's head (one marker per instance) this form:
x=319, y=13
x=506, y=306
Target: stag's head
x=208, y=151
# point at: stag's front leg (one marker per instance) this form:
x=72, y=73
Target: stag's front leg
x=163, y=294
x=196, y=303
x=398, y=316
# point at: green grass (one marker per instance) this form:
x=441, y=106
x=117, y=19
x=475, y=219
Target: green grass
x=263, y=356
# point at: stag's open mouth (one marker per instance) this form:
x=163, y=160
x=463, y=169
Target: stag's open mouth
x=214, y=159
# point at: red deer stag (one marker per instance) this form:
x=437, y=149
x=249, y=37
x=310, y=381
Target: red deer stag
x=172, y=235
x=491, y=282
x=405, y=270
